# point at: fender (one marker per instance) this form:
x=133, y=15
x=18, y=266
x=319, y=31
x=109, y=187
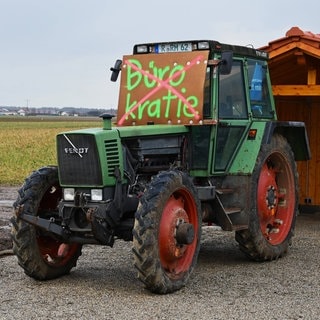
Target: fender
x=295, y=133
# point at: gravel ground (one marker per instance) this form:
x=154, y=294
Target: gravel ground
x=224, y=284
x=7, y=195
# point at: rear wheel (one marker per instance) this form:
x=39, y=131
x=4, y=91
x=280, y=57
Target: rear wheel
x=274, y=203
x=166, y=235
x=41, y=255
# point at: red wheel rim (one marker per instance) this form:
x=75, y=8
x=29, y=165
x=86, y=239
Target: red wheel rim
x=54, y=252
x=49, y=249
x=276, y=198
x=175, y=258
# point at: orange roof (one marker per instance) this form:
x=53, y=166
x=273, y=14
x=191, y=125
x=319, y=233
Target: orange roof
x=296, y=31
x=295, y=38
x=295, y=58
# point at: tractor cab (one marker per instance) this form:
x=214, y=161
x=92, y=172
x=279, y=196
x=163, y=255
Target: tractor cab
x=215, y=89
x=191, y=83
x=165, y=83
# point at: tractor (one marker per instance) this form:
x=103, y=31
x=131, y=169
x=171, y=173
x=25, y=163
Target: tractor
x=195, y=142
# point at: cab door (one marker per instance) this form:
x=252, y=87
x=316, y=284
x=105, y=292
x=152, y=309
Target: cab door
x=233, y=118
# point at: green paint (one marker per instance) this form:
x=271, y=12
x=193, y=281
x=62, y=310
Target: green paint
x=245, y=159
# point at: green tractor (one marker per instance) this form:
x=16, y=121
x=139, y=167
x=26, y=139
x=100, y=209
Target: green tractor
x=196, y=142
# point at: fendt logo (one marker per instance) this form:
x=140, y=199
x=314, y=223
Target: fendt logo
x=73, y=149
x=76, y=150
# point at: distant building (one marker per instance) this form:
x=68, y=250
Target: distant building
x=6, y=112
x=21, y=112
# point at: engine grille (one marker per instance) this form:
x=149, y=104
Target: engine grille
x=78, y=160
x=112, y=154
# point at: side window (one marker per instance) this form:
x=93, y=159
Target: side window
x=258, y=89
x=232, y=99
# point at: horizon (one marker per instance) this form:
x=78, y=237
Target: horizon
x=60, y=53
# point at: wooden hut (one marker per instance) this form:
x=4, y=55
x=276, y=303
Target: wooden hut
x=295, y=74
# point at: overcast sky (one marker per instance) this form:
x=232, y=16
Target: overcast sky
x=58, y=53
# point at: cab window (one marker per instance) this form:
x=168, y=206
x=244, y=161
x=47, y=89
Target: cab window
x=260, y=102
x=232, y=98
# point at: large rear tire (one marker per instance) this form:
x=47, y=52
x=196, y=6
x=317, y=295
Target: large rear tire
x=167, y=230
x=41, y=255
x=274, y=203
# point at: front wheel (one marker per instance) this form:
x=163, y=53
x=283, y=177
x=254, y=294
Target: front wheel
x=166, y=235
x=42, y=255
x=274, y=203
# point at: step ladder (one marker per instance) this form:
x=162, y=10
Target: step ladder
x=227, y=215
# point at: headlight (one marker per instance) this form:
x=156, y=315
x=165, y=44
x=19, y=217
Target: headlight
x=203, y=45
x=68, y=194
x=142, y=49
x=96, y=194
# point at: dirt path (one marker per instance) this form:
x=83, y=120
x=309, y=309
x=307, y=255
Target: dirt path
x=224, y=285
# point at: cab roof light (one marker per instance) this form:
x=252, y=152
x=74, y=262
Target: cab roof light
x=142, y=49
x=203, y=45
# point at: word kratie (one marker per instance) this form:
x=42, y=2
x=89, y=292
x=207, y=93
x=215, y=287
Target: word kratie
x=153, y=104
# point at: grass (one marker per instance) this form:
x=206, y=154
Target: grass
x=28, y=143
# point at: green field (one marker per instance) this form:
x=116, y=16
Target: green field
x=28, y=143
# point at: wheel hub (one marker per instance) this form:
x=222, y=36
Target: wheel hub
x=271, y=197
x=267, y=194
x=176, y=233
x=184, y=233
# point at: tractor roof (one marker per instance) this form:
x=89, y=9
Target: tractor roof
x=198, y=45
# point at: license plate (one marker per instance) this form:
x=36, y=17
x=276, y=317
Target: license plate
x=173, y=47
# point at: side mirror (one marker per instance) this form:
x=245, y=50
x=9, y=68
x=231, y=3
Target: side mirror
x=226, y=62
x=115, y=70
